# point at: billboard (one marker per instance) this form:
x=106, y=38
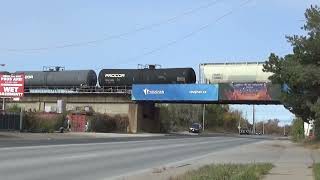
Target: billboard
x=11, y=85
x=249, y=92
x=175, y=92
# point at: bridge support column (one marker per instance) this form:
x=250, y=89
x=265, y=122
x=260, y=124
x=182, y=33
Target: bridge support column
x=133, y=115
x=143, y=117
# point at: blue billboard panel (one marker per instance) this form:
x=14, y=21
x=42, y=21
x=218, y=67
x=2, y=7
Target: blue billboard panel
x=175, y=92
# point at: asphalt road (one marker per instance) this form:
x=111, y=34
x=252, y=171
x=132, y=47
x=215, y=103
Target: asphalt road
x=105, y=160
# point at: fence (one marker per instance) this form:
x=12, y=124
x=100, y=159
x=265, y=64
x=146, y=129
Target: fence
x=10, y=121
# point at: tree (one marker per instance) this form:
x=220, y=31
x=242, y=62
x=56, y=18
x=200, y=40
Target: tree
x=176, y=117
x=272, y=127
x=231, y=120
x=297, y=130
x=214, y=115
x=299, y=72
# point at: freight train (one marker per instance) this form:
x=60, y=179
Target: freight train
x=57, y=78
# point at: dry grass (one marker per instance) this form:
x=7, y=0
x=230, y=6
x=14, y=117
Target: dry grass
x=311, y=144
x=227, y=172
x=316, y=171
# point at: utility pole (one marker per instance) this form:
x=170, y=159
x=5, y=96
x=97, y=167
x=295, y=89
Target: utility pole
x=239, y=126
x=247, y=120
x=253, y=120
x=262, y=127
x=203, y=114
x=3, y=99
x=284, y=130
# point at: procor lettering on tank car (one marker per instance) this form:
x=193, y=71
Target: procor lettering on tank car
x=127, y=77
x=70, y=78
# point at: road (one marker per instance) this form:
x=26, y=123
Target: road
x=106, y=160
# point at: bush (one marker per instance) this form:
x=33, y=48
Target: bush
x=14, y=108
x=297, y=130
x=42, y=122
x=105, y=123
x=316, y=171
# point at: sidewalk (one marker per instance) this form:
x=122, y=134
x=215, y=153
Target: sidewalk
x=69, y=135
x=295, y=163
x=112, y=135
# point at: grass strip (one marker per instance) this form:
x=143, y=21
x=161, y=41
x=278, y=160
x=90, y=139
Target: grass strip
x=316, y=171
x=228, y=172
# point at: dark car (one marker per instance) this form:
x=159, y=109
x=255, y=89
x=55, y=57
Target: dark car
x=195, y=128
x=244, y=131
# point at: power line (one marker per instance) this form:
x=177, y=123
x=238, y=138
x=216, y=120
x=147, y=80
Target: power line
x=117, y=36
x=186, y=36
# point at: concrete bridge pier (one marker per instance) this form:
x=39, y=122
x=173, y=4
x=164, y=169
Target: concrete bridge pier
x=143, y=117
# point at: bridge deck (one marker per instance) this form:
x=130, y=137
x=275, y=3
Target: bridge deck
x=78, y=90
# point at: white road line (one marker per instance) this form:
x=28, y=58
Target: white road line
x=7, y=164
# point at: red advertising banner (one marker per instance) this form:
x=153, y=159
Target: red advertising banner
x=11, y=85
x=249, y=92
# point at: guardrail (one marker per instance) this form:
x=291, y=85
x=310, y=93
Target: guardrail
x=77, y=90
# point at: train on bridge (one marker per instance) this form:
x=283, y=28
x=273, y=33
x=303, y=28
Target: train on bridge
x=113, y=80
x=227, y=83
x=59, y=80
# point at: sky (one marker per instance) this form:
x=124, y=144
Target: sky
x=94, y=34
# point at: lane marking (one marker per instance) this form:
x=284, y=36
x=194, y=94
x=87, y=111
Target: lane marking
x=7, y=164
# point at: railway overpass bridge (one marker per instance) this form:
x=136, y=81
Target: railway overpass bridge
x=138, y=102
x=221, y=83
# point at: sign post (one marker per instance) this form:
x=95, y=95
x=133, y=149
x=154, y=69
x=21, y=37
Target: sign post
x=3, y=103
x=203, y=116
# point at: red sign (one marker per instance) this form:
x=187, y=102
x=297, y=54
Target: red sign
x=11, y=85
x=249, y=92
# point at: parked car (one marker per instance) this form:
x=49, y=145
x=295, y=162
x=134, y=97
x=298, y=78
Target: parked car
x=195, y=128
x=244, y=132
